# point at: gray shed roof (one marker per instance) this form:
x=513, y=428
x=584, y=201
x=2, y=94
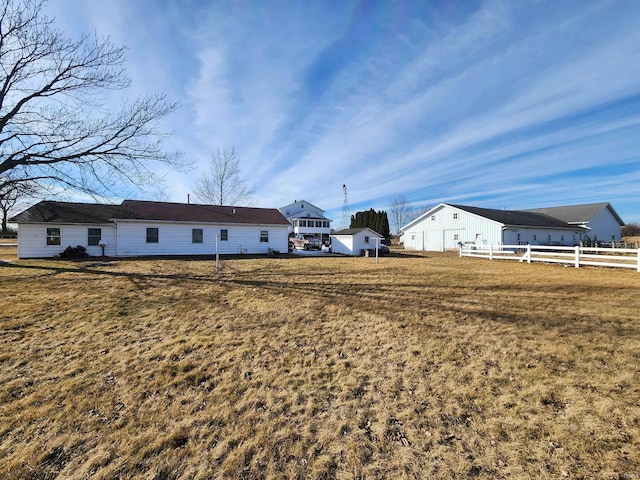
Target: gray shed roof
x=578, y=214
x=354, y=231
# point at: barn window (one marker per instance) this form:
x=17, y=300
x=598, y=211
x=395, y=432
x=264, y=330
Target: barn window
x=152, y=235
x=535, y=237
x=518, y=237
x=455, y=216
x=94, y=235
x=53, y=236
x=413, y=236
x=224, y=235
x=197, y=235
x=366, y=239
x=264, y=236
x=433, y=217
x=455, y=236
x=562, y=238
x=549, y=238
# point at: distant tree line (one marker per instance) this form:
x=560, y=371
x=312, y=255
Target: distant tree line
x=376, y=221
x=631, y=230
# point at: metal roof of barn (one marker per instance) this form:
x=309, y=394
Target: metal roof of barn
x=515, y=218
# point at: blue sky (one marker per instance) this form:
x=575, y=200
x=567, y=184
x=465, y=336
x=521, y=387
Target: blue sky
x=497, y=104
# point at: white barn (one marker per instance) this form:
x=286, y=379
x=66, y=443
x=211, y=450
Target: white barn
x=307, y=219
x=446, y=226
x=141, y=228
x=352, y=241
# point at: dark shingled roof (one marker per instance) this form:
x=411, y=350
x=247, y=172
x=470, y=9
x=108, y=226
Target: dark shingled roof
x=64, y=212
x=516, y=217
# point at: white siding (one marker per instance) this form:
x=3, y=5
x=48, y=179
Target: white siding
x=604, y=227
x=353, y=244
x=444, y=226
x=32, y=240
x=342, y=244
x=541, y=236
x=176, y=239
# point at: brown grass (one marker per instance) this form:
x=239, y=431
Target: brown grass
x=292, y=368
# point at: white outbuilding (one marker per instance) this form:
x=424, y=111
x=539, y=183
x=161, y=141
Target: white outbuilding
x=354, y=241
x=447, y=226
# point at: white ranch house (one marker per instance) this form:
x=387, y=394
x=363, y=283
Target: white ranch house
x=142, y=228
x=352, y=241
x=307, y=219
x=447, y=226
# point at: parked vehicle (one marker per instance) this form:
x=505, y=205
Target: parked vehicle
x=306, y=242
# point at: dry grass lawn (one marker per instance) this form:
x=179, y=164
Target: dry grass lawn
x=423, y=366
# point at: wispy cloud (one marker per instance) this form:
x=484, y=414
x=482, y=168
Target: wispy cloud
x=496, y=103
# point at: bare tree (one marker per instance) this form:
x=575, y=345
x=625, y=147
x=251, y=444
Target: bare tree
x=401, y=212
x=631, y=230
x=53, y=128
x=13, y=195
x=222, y=184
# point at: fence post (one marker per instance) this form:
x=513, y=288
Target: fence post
x=491, y=251
x=577, y=256
x=639, y=260
x=529, y=253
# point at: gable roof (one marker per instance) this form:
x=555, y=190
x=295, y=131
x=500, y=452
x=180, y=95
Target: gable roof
x=355, y=231
x=578, y=214
x=67, y=212
x=516, y=218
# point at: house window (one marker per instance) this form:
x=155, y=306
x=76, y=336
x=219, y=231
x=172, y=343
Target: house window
x=366, y=239
x=303, y=223
x=318, y=223
x=264, y=236
x=224, y=235
x=94, y=236
x=325, y=224
x=433, y=217
x=152, y=235
x=455, y=216
x=53, y=236
x=197, y=235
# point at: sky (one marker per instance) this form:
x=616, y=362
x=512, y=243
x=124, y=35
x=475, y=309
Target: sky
x=496, y=104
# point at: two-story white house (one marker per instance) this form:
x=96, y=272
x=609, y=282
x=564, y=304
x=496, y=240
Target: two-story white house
x=307, y=219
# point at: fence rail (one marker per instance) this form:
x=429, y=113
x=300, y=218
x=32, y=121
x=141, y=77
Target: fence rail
x=576, y=256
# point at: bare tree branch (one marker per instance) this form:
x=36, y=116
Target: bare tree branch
x=222, y=184
x=52, y=126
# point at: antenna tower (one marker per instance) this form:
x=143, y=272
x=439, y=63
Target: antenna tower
x=346, y=215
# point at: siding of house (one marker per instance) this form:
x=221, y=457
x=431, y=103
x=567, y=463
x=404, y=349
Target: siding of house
x=176, y=239
x=33, y=239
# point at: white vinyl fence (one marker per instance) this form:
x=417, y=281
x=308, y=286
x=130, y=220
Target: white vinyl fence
x=576, y=256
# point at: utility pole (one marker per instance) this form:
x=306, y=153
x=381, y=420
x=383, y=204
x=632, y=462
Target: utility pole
x=346, y=215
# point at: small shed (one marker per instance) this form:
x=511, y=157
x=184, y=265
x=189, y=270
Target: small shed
x=353, y=241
